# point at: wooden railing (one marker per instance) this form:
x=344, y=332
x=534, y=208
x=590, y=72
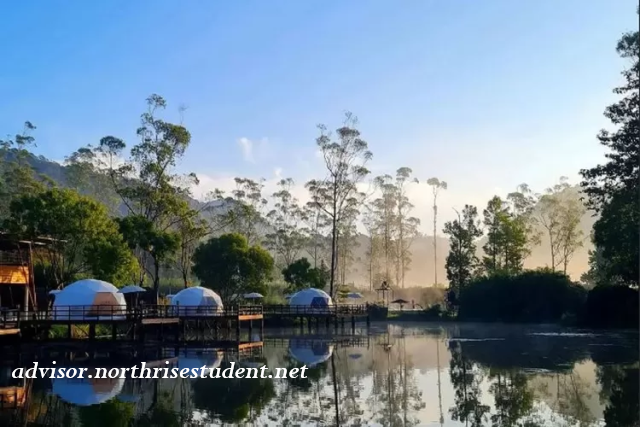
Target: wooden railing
x=9, y=318
x=118, y=312
x=303, y=310
x=12, y=318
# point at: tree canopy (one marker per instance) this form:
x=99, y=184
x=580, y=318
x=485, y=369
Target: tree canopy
x=86, y=239
x=231, y=268
x=300, y=275
x=613, y=188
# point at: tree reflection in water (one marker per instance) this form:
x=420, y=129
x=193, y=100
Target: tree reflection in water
x=466, y=379
x=586, y=386
x=232, y=400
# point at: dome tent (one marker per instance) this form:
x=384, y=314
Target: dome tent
x=89, y=298
x=311, y=297
x=86, y=391
x=310, y=352
x=196, y=301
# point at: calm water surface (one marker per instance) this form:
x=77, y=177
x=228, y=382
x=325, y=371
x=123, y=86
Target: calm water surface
x=396, y=375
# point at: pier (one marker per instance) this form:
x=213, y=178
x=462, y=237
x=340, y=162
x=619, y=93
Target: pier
x=168, y=323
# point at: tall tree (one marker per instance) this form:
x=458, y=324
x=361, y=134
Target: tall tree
x=522, y=204
x=495, y=215
x=549, y=216
x=384, y=210
x=613, y=187
x=462, y=260
x=347, y=242
x=407, y=225
x=345, y=160
x=191, y=229
x=571, y=236
x=372, y=254
x=507, y=239
x=245, y=209
x=286, y=239
x=316, y=225
x=149, y=187
x=436, y=186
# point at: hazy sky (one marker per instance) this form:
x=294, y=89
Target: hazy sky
x=483, y=94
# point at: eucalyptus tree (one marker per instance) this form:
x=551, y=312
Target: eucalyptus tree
x=407, y=225
x=373, y=251
x=154, y=195
x=385, y=223
x=286, y=238
x=344, y=159
x=316, y=225
x=244, y=211
x=559, y=212
x=436, y=186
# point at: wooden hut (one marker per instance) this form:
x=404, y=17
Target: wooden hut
x=17, y=284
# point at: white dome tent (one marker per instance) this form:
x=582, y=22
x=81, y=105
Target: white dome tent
x=315, y=298
x=310, y=353
x=196, y=301
x=89, y=298
x=85, y=391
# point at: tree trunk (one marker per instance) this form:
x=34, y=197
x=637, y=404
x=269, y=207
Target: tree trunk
x=334, y=255
x=435, y=243
x=185, y=279
x=156, y=278
x=335, y=389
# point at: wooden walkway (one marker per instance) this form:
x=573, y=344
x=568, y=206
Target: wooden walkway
x=167, y=319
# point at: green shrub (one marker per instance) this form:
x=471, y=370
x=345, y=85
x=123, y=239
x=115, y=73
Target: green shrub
x=532, y=296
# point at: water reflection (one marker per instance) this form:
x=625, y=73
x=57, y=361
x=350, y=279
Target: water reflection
x=396, y=376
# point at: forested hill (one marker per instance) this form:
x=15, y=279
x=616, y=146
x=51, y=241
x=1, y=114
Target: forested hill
x=421, y=269
x=81, y=179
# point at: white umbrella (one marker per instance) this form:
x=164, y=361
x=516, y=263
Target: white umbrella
x=354, y=295
x=253, y=295
x=131, y=289
x=55, y=291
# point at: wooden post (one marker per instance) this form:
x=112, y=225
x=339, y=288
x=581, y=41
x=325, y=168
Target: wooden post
x=92, y=331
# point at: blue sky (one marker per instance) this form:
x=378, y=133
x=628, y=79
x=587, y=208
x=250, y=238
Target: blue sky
x=483, y=94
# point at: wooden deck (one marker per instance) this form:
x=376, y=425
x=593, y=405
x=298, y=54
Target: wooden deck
x=337, y=310
x=167, y=320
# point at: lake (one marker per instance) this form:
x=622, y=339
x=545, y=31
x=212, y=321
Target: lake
x=392, y=375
